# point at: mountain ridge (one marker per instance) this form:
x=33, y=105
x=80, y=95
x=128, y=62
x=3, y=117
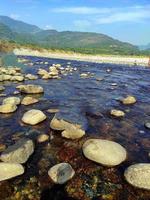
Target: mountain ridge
x=86, y=42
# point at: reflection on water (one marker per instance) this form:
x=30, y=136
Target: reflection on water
x=86, y=101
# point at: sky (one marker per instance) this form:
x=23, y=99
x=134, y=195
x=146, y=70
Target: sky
x=126, y=20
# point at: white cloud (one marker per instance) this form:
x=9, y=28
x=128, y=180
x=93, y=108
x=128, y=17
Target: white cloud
x=137, y=13
x=81, y=10
x=14, y=16
x=124, y=17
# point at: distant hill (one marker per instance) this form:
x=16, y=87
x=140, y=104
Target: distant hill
x=145, y=47
x=84, y=42
x=18, y=26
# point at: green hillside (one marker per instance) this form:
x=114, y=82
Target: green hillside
x=83, y=42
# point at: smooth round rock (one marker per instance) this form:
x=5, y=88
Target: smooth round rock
x=73, y=133
x=61, y=173
x=138, y=175
x=30, y=89
x=147, y=125
x=129, y=100
x=105, y=152
x=8, y=108
x=12, y=100
x=33, y=117
x=28, y=101
x=43, y=138
x=117, y=113
x=10, y=170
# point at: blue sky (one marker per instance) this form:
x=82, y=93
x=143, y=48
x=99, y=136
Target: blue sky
x=126, y=20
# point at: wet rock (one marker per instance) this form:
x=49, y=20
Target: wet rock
x=5, y=77
x=8, y=108
x=61, y=124
x=129, y=100
x=73, y=133
x=43, y=138
x=42, y=72
x=31, y=77
x=2, y=147
x=28, y=101
x=2, y=88
x=117, y=113
x=10, y=170
x=53, y=110
x=147, y=125
x=19, y=152
x=61, y=173
x=30, y=89
x=105, y=152
x=138, y=175
x=12, y=100
x=17, y=78
x=33, y=117
x=84, y=75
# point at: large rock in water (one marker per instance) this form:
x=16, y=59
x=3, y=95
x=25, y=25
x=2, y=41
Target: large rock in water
x=8, y=108
x=28, y=101
x=19, y=152
x=70, y=130
x=105, y=152
x=33, y=117
x=10, y=170
x=12, y=100
x=30, y=89
x=138, y=175
x=129, y=100
x=61, y=173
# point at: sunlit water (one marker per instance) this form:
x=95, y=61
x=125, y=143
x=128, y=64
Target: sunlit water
x=86, y=101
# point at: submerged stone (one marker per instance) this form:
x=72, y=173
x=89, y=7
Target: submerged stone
x=19, y=152
x=117, y=113
x=129, y=100
x=61, y=173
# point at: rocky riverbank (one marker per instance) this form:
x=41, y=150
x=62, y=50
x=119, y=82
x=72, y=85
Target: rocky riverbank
x=125, y=60
x=74, y=130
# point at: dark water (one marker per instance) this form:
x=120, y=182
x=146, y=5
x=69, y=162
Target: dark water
x=86, y=101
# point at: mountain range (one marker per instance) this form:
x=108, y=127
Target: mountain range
x=84, y=42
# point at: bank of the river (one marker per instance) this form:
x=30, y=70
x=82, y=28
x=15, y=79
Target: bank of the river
x=129, y=60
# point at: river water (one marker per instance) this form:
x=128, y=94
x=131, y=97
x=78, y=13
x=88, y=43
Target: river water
x=86, y=101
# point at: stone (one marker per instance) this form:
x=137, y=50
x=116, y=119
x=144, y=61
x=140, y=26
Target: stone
x=10, y=170
x=2, y=147
x=33, y=117
x=42, y=72
x=17, y=78
x=73, y=133
x=61, y=173
x=28, y=101
x=2, y=88
x=30, y=89
x=147, y=125
x=12, y=100
x=53, y=110
x=8, y=108
x=117, y=113
x=19, y=152
x=105, y=152
x=43, y=138
x=31, y=77
x=61, y=125
x=128, y=100
x=138, y=175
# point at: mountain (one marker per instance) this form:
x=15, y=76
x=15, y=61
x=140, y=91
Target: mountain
x=83, y=42
x=18, y=26
x=144, y=47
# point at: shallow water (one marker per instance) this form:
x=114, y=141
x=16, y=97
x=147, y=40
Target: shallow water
x=86, y=101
